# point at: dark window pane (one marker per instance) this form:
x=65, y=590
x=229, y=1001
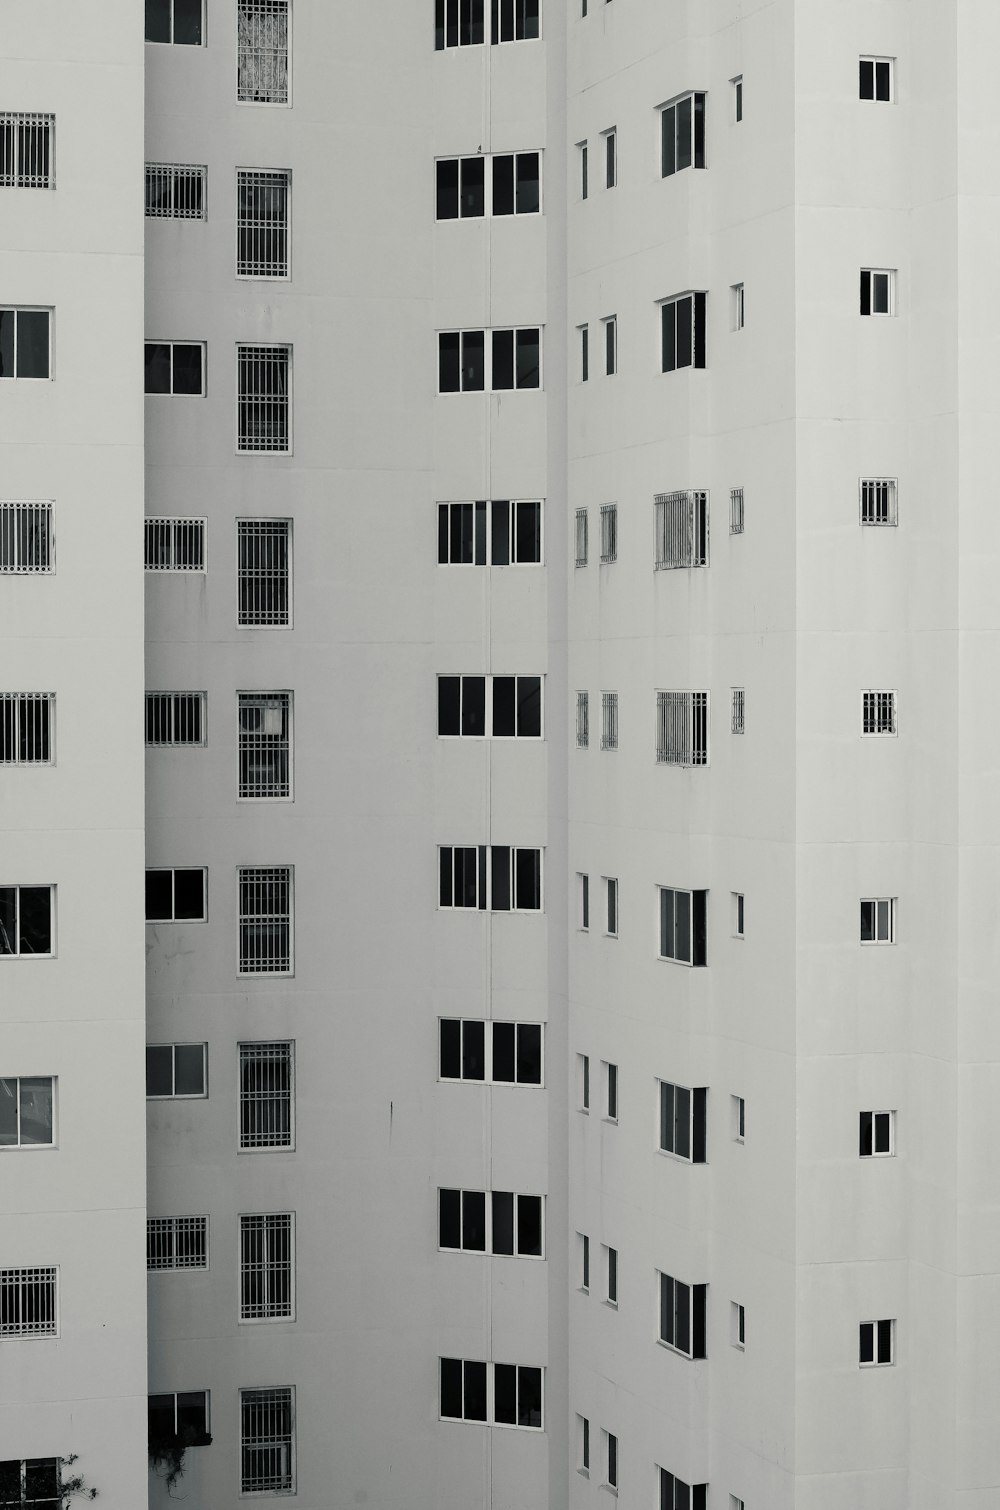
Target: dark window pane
x=500, y=878
x=500, y=537
x=866, y=292
x=187, y=22
x=36, y=1110
x=527, y=183
x=35, y=920
x=503, y=1221
x=866, y=1342
x=157, y=367
x=449, y=366
x=527, y=359
x=474, y=361
x=473, y=186
x=699, y=930
x=442, y=534
x=669, y=324
x=866, y=79
x=472, y=22
x=159, y=896
x=474, y=1051
x=191, y=1415
x=503, y=359
x=187, y=368
x=668, y=154
x=503, y=1051
x=880, y=306
x=449, y=702
x=473, y=706
x=8, y=1118
x=446, y=895
x=699, y=330
x=41, y=1478
x=682, y=1317
x=159, y=1070
x=503, y=184
x=475, y=1391
x=865, y=1137
x=480, y=540
x=882, y=1123
x=157, y=20
x=682, y=1122
x=529, y=1404
x=447, y=189
x=189, y=894
x=465, y=877
x=528, y=544
x=505, y=1387
x=160, y=1417
x=683, y=308
x=528, y=880
x=529, y=1225
x=504, y=707
x=7, y=318
x=439, y=25
x=461, y=533
x=450, y=1218
x=885, y=1342
x=683, y=110
x=33, y=343
x=529, y=1053
x=699, y=130
x=451, y=1048
x=529, y=707
x=189, y=1069
x=882, y=81
x=867, y=922
x=474, y=1220
x=451, y=1387
x=682, y=925
x=529, y=19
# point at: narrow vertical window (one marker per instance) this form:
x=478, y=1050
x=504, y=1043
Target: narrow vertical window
x=263, y=398
x=581, y=537
x=265, y=920
x=736, y=513
x=262, y=200
x=609, y=533
x=264, y=744
x=737, y=85
x=737, y=306
x=610, y=345
x=582, y=720
x=267, y=1441
x=738, y=695
x=610, y=158
x=266, y=1095
x=262, y=51
x=878, y=500
x=584, y=352
x=264, y=570
x=267, y=1267
x=609, y=720
x=584, y=184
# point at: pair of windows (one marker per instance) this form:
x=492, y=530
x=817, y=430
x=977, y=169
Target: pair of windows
x=609, y=535
x=262, y=28
x=27, y=1111
x=490, y=877
x=877, y=1135
x=462, y=23
x=609, y=1084
x=492, y=1053
x=468, y=362
x=264, y=718
x=29, y=1302
x=610, y=140
x=506, y=182
x=175, y=1070
x=490, y=532
x=876, y=79
x=484, y=1221
x=263, y=410
x=31, y=1484
x=179, y=191
x=610, y=327
x=878, y=291
x=267, y=1267
x=266, y=1095
x=26, y=726
x=27, y=150
x=26, y=921
x=610, y=885
x=175, y=895
x=498, y=1394
x=267, y=1433
x=25, y=342
x=682, y=724
x=682, y=1316
x=497, y=707
x=683, y=925
x=180, y=22
x=610, y=1268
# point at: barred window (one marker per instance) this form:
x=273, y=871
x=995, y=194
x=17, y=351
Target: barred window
x=262, y=65
x=31, y=1484
x=27, y=155
x=265, y=744
x=175, y=367
x=681, y=529
x=878, y=712
x=267, y=1441
x=267, y=1270
x=581, y=537
x=26, y=541
x=490, y=532
x=176, y=21
x=176, y=718
x=582, y=720
x=736, y=511
x=24, y=343
x=27, y=1105
x=26, y=920
x=609, y=533
x=682, y=331
x=175, y=544
x=878, y=500
x=682, y=728
x=266, y=1095
x=28, y=1303
x=265, y=920
x=262, y=225
x=26, y=727
x=264, y=398
x=176, y=896
x=739, y=704
x=177, y=1242
x=490, y=877
x=176, y=191
x=609, y=720
x=264, y=566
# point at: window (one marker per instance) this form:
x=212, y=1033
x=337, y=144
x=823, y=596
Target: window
x=584, y=1261
x=176, y=718
x=484, y=1221
x=676, y=1495
x=582, y=720
x=26, y=541
x=267, y=1267
x=583, y=1080
x=611, y=900
x=177, y=21
x=682, y=1316
x=682, y=328
x=177, y=1242
x=610, y=324
x=498, y=707
x=583, y=886
x=263, y=412
x=31, y=1484
x=610, y=158
x=494, y=1053
x=27, y=1104
x=26, y=727
x=462, y=23
x=737, y=1325
x=265, y=920
x=582, y=1424
x=264, y=568
x=611, y=1460
x=265, y=755
x=27, y=142
x=611, y=1092
x=737, y=84
x=262, y=223
x=683, y=1122
x=501, y=183
x=682, y=728
x=878, y=291
x=609, y=533
x=267, y=1101
x=681, y=529
x=875, y=1343
x=876, y=1138
x=26, y=923
x=609, y=720
x=738, y=913
x=514, y=360
x=878, y=920
x=738, y=710
x=179, y=1420
x=581, y=537
x=267, y=1441
x=490, y=877
x=175, y=545
x=514, y=20
x=504, y=1394
x=683, y=925
x=584, y=352
x=490, y=532
x=176, y=191
x=262, y=63
x=463, y=1389
x=611, y=1275
x=682, y=134
x=176, y=1069
x=176, y=896
x=875, y=78
x=878, y=713
x=584, y=184
x=176, y=367
x=736, y=511
x=24, y=343
x=738, y=1113
x=878, y=500
x=737, y=306
x=28, y=1303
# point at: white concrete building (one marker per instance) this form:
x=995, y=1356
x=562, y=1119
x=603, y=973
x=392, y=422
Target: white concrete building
x=569, y=766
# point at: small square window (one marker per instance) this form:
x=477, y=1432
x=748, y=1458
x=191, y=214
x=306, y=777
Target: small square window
x=737, y=306
x=875, y=79
x=737, y=1325
x=176, y=367
x=737, y=1107
x=25, y=343
x=876, y=1343
x=878, y=713
x=176, y=1069
x=177, y=896
x=26, y=921
x=878, y=920
x=877, y=1135
x=27, y=1111
x=878, y=291
x=878, y=500
x=175, y=21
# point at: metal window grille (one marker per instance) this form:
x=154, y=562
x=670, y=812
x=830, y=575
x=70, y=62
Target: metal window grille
x=609, y=532
x=266, y=1095
x=878, y=500
x=736, y=511
x=878, y=713
x=681, y=529
x=26, y=727
x=176, y=718
x=266, y=920
x=262, y=66
x=264, y=571
x=581, y=537
x=582, y=720
x=266, y=1267
x=609, y=720
x=265, y=748
x=264, y=408
x=682, y=728
x=262, y=227
x=26, y=543
x=176, y=191
x=28, y=1302
x=175, y=545
x=267, y=1441
x=738, y=710
x=177, y=1242
x=27, y=159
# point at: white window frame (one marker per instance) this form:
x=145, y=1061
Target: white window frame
x=31, y=309
x=262, y=230
x=879, y=714
x=170, y=392
x=43, y=1306
x=171, y=871
x=170, y=1235
x=184, y=539
x=277, y=1231
x=489, y=1025
x=267, y=7
x=19, y=519
x=609, y=720
x=610, y=324
x=690, y=893
x=489, y=1249
x=667, y=1115
x=584, y=333
x=175, y=1095
x=581, y=540
x=256, y=875
x=611, y=1463
x=878, y=1153
x=889, y=273
x=878, y=919
x=488, y=159
x=263, y=743
x=610, y=1088
x=490, y=677
x=683, y=535
x=694, y=295
x=484, y=903
x=875, y=59
x=583, y=1249
x=878, y=496
x=583, y=894
x=490, y=1399
x=17, y=887
x=249, y=530
x=738, y=913
x=488, y=332
x=582, y=1422
x=253, y=1052
x=30, y=719
x=583, y=1082
x=609, y=1257
x=488, y=505
x=694, y=95
x=683, y=729
x=691, y=1289
x=275, y=1445
x=875, y=1361
x=279, y=408
x=610, y=139
x=583, y=150
x=736, y=86
x=738, y=1118
x=178, y=177
x=19, y=1145
x=40, y=128
x=172, y=43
